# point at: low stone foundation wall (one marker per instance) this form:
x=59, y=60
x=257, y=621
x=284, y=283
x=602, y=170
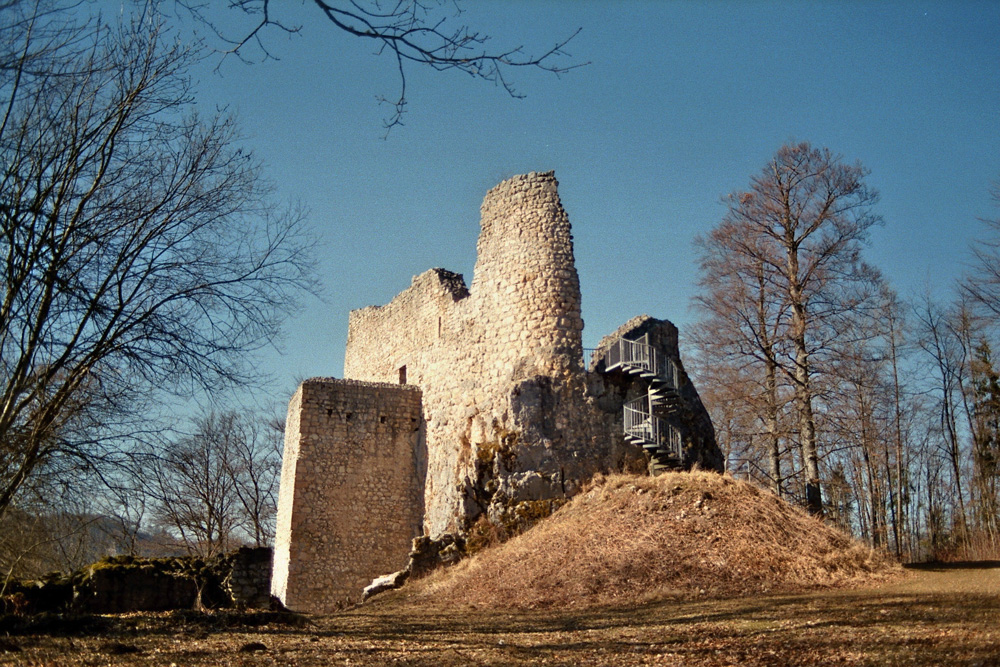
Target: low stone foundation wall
x=249, y=582
x=126, y=584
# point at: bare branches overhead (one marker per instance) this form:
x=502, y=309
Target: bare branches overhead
x=139, y=247
x=411, y=32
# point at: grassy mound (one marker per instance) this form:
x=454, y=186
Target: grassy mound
x=630, y=539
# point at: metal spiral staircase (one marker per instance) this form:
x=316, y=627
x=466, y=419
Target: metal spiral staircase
x=644, y=422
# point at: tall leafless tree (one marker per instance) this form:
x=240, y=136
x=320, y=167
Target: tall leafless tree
x=984, y=423
x=800, y=225
x=139, y=247
x=939, y=341
x=744, y=324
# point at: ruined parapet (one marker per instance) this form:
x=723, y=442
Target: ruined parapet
x=351, y=496
x=393, y=343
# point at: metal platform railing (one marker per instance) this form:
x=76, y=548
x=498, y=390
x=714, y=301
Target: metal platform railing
x=638, y=355
x=639, y=423
x=653, y=431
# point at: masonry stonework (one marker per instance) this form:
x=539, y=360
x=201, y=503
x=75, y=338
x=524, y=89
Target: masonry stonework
x=470, y=350
x=351, y=495
x=513, y=423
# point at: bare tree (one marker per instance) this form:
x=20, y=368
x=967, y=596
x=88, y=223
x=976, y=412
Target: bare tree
x=801, y=225
x=985, y=427
x=894, y=331
x=938, y=339
x=140, y=251
x=410, y=32
x=255, y=469
x=743, y=330
x=982, y=284
x=55, y=527
x=216, y=488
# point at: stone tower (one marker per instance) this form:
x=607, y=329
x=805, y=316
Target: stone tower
x=526, y=280
x=352, y=482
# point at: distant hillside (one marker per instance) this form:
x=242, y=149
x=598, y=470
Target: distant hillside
x=630, y=538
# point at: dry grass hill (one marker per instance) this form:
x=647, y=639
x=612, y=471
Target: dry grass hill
x=615, y=577
x=630, y=539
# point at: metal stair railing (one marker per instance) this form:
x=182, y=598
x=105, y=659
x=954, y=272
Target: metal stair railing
x=632, y=354
x=674, y=442
x=672, y=375
x=655, y=433
x=639, y=423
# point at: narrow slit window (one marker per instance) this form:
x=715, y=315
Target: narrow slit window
x=402, y=375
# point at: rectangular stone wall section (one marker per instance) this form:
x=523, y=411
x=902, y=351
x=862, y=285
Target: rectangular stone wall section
x=352, y=488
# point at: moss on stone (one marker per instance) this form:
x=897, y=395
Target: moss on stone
x=508, y=523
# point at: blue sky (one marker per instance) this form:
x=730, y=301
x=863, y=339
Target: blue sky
x=681, y=103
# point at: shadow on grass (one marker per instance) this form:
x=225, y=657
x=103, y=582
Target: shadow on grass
x=880, y=628
x=55, y=625
x=938, y=566
x=869, y=626
x=79, y=625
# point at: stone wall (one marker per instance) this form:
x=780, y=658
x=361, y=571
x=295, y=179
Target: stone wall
x=125, y=584
x=351, y=495
x=249, y=580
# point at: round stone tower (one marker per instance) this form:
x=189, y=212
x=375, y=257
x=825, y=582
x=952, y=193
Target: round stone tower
x=526, y=282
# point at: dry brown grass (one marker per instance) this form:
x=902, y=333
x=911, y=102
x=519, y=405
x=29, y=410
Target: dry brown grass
x=737, y=541
x=941, y=615
x=631, y=539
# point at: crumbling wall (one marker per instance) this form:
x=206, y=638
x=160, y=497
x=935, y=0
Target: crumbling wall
x=505, y=398
x=410, y=332
x=351, y=495
x=470, y=350
x=126, y=584
x=249, y=580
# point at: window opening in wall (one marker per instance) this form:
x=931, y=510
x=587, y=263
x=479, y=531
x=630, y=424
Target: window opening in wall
x=439, y=327
x=402, y=375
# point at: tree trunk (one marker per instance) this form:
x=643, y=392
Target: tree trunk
x=803, y=390
x=771, y=424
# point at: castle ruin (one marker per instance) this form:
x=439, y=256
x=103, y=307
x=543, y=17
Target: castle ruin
x=466, y=406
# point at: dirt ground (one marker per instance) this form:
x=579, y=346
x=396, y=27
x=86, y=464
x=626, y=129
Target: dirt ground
x=938, y=615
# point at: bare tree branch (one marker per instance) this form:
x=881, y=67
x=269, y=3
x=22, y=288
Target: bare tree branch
x=140, y=249
x=410, y=31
